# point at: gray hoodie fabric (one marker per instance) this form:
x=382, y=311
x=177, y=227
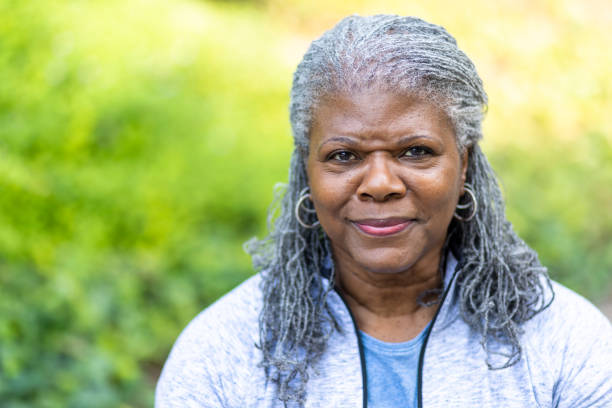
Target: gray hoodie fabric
x=566, y=360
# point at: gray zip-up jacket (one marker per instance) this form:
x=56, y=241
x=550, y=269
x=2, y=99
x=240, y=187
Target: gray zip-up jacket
x=566, y=359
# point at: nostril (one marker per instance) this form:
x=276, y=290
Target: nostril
x=382, y=191
x=381, y=182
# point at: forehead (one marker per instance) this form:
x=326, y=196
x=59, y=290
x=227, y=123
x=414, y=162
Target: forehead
x=378, y=113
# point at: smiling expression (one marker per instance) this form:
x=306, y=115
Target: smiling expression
x=385, y=176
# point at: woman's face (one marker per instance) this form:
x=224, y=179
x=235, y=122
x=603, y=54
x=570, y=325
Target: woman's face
x=385, y=176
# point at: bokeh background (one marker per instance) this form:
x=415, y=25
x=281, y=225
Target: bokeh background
x=140, y=141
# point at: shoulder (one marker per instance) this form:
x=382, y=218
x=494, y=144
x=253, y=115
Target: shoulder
x=571, y=316
x=231, y=320
x=569, y=346
x=215, y=354
x=238, y=309
x=571, y=328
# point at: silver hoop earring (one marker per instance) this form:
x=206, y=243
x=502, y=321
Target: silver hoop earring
x=473, y=203
x=304, y=195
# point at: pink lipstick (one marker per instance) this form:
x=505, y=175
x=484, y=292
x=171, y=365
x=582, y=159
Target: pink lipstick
x=383, y=227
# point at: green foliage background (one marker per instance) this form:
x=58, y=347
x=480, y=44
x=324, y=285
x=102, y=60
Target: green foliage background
x=140, y=142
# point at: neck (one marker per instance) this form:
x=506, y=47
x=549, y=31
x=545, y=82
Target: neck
x=386, y=305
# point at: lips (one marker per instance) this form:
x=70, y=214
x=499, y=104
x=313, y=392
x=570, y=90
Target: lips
x=383, y=227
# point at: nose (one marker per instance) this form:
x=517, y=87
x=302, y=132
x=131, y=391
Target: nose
x=381, y=181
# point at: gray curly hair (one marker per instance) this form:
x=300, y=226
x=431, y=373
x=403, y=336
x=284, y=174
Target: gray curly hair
x=500, y=280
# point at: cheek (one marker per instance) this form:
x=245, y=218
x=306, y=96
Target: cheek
x=440, y=189
x=330, y=193
x=328, y=190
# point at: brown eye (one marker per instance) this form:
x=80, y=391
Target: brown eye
x=417, y=151
x=342, y=156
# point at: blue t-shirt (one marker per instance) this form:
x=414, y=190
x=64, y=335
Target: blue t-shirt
x=391, y=371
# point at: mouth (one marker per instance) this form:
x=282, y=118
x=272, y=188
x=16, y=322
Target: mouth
x=383, y=227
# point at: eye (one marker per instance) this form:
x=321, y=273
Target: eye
x=342, y=156
x=417, y=152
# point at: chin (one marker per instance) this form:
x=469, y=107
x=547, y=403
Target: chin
x=386, y=262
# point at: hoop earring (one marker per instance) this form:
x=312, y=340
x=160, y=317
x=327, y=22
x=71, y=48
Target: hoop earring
x=304, y=195
x=473, y=203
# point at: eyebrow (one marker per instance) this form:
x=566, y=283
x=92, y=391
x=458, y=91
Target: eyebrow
x=339, y=139
x=352, y=142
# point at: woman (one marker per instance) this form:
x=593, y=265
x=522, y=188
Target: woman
x=391, y=277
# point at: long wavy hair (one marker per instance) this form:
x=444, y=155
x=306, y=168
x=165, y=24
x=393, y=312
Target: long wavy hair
x=500, y=282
